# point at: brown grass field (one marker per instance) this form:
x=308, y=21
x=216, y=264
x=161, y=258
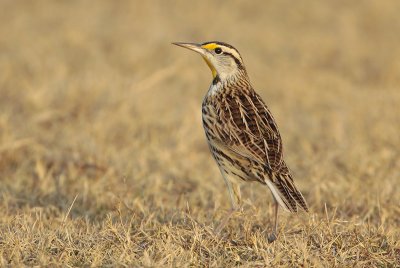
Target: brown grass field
x=103, y=159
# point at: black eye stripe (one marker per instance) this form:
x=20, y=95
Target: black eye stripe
x=236, y=59
x=221, y=44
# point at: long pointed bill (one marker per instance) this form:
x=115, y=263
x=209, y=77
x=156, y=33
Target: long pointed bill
x=192, y=46
x=202, y=51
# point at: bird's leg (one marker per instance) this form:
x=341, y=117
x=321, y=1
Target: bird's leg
x=235, y=197
x=231, y=194
x=272, y=237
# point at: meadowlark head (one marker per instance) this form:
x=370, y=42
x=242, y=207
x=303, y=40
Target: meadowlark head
x=223, y=59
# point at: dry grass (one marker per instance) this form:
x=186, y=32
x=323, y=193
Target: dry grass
x=103, y=160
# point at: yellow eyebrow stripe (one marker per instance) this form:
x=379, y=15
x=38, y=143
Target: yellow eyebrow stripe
x=210, y=46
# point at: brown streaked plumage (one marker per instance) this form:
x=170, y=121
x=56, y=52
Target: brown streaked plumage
x=241, y=132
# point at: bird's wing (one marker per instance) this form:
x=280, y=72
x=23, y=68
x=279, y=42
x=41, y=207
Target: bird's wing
x=249, y=129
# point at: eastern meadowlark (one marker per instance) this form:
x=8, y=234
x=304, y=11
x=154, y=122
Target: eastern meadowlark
x=242, y=134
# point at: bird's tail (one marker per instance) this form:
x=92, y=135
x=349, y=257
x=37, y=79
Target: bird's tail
x=286, y=193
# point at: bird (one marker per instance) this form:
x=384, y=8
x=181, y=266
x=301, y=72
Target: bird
x=242, y=134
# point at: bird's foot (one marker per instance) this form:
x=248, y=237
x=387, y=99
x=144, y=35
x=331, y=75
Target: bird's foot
x=272, y=237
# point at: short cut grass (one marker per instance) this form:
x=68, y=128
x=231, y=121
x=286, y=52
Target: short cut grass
x=103, y=159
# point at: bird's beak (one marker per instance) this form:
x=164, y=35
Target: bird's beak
x=202, y=51
x=192, y=46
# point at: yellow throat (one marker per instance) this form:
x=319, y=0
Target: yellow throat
x=213, y=71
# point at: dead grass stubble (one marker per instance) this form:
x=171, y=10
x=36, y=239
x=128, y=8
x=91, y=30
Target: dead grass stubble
x=103, y=160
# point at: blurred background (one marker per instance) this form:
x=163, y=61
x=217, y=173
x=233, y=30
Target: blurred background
x=96, y=102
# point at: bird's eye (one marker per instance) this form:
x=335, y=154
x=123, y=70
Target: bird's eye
x=218, y=50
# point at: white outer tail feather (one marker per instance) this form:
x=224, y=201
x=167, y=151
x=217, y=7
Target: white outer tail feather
x=276, y=195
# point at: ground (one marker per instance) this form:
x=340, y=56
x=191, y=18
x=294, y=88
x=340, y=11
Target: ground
x=103, y=159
